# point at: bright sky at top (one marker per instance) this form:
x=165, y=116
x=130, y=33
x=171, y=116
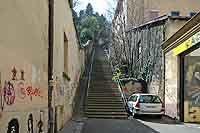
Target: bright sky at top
x=100, y=6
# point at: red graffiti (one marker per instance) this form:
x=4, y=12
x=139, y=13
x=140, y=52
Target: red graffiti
x=27, y=91
x=33, y=91
x=9, y=93
x=22, y=90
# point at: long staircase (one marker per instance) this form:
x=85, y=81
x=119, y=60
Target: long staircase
x=103, y=97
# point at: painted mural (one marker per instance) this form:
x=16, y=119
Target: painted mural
x=192, y=89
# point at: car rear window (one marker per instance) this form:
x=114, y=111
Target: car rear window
x=149, y=99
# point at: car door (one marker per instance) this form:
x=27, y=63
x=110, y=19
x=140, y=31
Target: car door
x=132, y=101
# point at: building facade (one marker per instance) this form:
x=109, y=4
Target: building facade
x=144, y=52
x=24, y=67
x=182, y=81
x=142, y=11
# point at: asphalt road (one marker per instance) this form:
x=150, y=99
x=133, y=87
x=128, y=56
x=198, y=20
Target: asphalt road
x=139, y=125
x=115, y=126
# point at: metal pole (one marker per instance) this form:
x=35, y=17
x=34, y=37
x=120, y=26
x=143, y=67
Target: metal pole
x=50, y=65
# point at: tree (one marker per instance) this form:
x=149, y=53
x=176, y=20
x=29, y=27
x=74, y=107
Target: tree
x=92, y=26
x=89, y=10
x=89, y=27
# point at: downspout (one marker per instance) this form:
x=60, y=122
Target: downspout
x=50, y=65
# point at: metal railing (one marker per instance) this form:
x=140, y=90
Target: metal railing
x=89, y=77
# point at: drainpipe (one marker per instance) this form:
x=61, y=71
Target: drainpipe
x=50, y=65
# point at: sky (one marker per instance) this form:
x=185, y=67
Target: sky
x=101, y=6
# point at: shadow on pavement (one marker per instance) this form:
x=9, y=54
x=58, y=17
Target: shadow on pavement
x=163, y=120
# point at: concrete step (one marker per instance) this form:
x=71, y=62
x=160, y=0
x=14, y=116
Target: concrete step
x=106, y=113
x=104, y=102
x=91, y=103
x=104, y=94
x=105, y=107
x=108, y=99
x=104, y=97
x=103, y=91
x=104, y=110
x=99, y=89
x=107, y=116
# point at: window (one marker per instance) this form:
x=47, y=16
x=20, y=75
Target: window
x=149, y=99
x=133, y=98
x=175, y=13
x=65, y=54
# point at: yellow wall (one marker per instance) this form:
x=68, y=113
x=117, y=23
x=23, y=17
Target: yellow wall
x=24, y=45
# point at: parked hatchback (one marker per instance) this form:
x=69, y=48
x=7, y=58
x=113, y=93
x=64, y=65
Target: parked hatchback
x=145, y=104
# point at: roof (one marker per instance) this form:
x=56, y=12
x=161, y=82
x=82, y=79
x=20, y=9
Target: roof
x=159, y=21
x=190, y=28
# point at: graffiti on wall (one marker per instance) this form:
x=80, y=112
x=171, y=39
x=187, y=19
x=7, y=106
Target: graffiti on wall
x=13, y=126
x=30, y=123
x=9, y=93
x=16, y=87
x=192, y=88
x=40, y=123
x=192, y=84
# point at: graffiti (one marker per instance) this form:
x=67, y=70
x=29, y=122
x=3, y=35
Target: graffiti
x=1, y=100
x=9, y=93
x=40, y=123
x=33, y=91
x=22, y=75
x=14, y=73
x=30, y=123
x=13, y=126
x=27, y=91
x=21, y=90
x=0, y=115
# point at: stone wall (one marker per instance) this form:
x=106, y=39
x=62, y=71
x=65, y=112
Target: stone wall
x=171, y=85
x=146, y=56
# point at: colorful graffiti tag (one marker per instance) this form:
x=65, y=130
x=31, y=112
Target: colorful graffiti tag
x=9, y=93
x=16, y=88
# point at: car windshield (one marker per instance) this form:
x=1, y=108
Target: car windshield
x=149, y=99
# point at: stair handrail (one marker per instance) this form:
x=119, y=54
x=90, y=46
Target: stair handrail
x=90, y=70
x=124, y=98
x=89, y=75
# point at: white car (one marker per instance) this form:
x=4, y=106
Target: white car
x=145, y=104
